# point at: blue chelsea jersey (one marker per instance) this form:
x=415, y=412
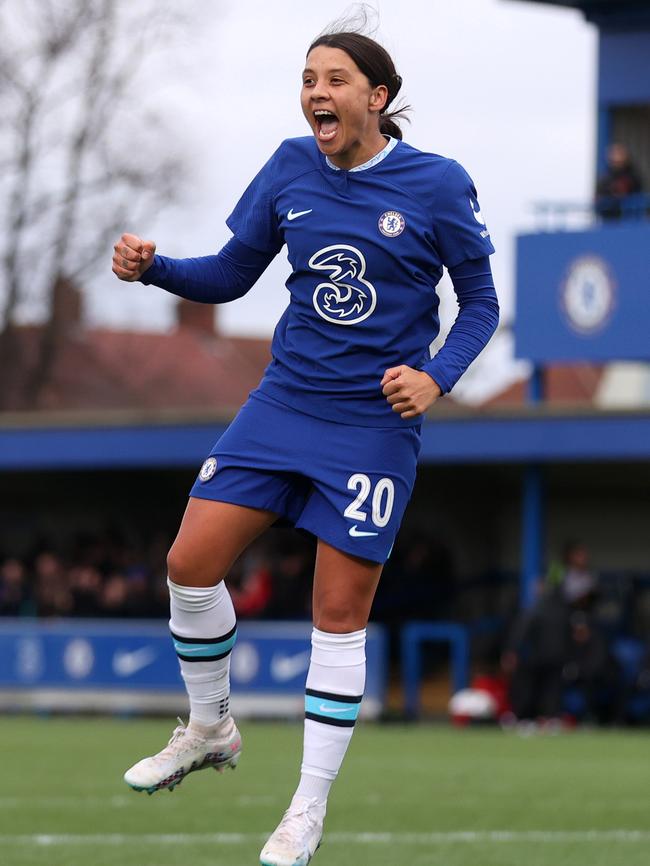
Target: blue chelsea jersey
x=367, y=249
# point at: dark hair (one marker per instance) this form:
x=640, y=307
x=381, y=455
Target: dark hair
x=378, y=67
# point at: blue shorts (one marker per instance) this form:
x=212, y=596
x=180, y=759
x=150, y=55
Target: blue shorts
x=345, y=484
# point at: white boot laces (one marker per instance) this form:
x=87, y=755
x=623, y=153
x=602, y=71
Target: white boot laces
x=295, y=822
x=172, y=746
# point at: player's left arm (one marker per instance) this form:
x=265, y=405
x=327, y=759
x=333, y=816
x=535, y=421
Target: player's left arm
x=477, y=320
x=463, y=244
x=411, y=392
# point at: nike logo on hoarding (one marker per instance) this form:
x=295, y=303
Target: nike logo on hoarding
x=284, y=667
x=126, y=663
x=294, y=216
x=359, y=533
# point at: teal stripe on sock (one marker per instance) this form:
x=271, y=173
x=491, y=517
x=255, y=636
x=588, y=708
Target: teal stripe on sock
x=208, y=649
x=331, y=709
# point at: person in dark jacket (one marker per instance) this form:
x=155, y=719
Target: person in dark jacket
x=620, y=181
x=535, y=657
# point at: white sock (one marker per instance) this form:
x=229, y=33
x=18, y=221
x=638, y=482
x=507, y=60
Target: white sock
x=203, y=627
x=335, y=683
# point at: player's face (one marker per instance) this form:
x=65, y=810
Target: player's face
x=341, y=107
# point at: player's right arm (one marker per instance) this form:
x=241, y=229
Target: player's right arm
x=207, y=279
x=214, y=279
x=132, y=257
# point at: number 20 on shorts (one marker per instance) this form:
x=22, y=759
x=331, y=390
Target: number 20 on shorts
x=383, y=497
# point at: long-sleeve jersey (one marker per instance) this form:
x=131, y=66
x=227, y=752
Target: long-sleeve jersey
x=367, y=249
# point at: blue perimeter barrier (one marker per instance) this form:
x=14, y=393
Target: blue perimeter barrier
x=413, y=636
x=129, y=666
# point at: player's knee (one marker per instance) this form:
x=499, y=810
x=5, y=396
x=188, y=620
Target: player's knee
x=178, y=567
x=338, y=618
x=186, y=569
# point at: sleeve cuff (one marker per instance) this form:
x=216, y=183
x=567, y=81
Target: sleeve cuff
x=153, y=272
x=435, y=369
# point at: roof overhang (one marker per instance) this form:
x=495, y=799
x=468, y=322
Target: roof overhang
x=603, y=12
x=530, y=434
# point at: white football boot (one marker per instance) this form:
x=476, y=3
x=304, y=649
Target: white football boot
x=190, y=748
x=297, y=836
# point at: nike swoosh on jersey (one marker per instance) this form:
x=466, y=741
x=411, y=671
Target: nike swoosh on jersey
x=294, y=216
x=325, y=709
x=359, y=533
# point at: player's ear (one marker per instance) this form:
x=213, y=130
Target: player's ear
x=378, y=97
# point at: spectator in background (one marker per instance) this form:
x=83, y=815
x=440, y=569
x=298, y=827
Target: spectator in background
x=115, y=596
x=591, y=669
x=576, y=580
x=138, y=590
x=557, y=645
x=52, y=592
x=292, y=565
x=620, y=181
x=85, y=584
x=535, y=656
x=14, y=589
x=251, y=585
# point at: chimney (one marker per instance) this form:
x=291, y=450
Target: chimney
x=67, y=305
x=197, y=317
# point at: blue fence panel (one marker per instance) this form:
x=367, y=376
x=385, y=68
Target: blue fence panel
x=270, y=660
x=414, y=635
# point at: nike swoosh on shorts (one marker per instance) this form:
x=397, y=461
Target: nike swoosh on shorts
x=359, y=533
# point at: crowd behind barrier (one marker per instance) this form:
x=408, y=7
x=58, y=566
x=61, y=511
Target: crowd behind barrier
x=583, y=644
x=108, y=575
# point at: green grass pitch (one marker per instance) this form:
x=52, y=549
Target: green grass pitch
x=406, y=795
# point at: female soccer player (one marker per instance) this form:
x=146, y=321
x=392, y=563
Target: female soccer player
x=330, y=438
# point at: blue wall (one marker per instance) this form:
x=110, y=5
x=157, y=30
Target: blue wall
x=584, y=296
x=623, y=78
x=624, y=67
x=527, y=437
x=129, y=446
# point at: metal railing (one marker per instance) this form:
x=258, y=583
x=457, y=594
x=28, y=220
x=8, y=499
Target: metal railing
x=605, y=210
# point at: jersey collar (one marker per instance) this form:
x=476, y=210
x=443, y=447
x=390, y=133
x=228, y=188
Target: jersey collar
x=378, y=157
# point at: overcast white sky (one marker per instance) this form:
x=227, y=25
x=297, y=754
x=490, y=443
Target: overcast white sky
x=507, y=88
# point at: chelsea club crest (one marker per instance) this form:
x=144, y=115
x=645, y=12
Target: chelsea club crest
x=208, y=469
x=587, y=294
x=391, y=223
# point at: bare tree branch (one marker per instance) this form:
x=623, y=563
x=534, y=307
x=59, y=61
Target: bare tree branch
x=104, y=34
x=32, y=102
x=70, y=175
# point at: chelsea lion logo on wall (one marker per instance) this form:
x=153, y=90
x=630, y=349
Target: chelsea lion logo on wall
x=588, y=294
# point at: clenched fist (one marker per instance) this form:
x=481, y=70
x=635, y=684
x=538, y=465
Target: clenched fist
x=410, y=392
x=132, y=257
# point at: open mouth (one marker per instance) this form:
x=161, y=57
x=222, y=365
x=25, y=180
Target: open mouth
x=327, y=124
